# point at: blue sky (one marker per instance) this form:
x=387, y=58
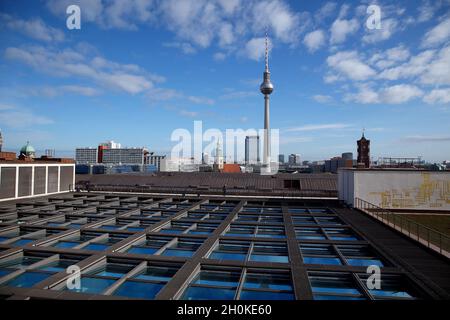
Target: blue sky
x=138, y=70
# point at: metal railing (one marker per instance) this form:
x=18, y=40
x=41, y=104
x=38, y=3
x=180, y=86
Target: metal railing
x=429, y=237
x=209, y=190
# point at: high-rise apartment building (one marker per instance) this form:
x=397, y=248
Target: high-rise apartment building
x=123, y=156
x=86, y=155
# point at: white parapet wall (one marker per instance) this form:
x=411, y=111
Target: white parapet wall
x=25, y=180
x=396, y=188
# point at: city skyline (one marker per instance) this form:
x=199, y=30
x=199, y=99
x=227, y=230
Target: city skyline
x=63, y=89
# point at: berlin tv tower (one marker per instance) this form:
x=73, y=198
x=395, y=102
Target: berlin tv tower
x=266, y=89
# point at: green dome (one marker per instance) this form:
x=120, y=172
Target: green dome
x=27, y=149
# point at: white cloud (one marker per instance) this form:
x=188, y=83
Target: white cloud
x=423, y=138
x=322, y=98
x=229, y=6
x=278, y=15
x=438, y=96
x=186, y=47
x=163, y=94
x=189, y=114
x=219, y=56
x=34, y=28
x=349, y=64
x=341, y=29
x=438, y=35
x=255, y=48
x=390, y=57
x=437, y=71
x=429, y=67
x=400, y=93
x=325, y=11
x=123, y=77
x=289, y=140
x=426, y=11
x=200, y=100
x=365, y=95
x=226, y=35
x=199, y=23
x=238, y=94
x=53, y=91
x=395, y=94
x=388, y=27
x=109, y=14
x=317, y=127
x=414, y=67
x=15, y=117
x=314, y=40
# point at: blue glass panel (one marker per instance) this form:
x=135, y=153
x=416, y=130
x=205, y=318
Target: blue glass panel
x=227, y=256
x=135, y=289
x=74, y=225
x=223, y=278
x=142, y=250
x=199, y=232
x=346, y=238
x=278, y=236
x=58, y=266
x=170, y=231
x=21, y=242
x=135, y=228
x=5, y=271
x=93, y=285
x=311, y=237
x=95, y=246
x=323, y=297
x=335, y=290
x=390, y=293
x=201, y=293
x=3, y=239
x=177, y=253
x=66, y=244
x=265, y=295
x=156, y=274
x=269, y=258
x=364, y=262
x=319, y=260
x=267, y=281
x=110, y=227
x=27, y=279
x=21, y=262
x=54, y=224
x=334, y=285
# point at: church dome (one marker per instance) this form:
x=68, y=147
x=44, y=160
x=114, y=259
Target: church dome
x=28, y=150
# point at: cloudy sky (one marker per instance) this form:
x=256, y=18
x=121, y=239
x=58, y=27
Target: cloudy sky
x=139, y=69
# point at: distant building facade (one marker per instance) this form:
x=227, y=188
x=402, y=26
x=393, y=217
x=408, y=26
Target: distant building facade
x=123, y=156
x=281, y=158
x=294, y=159
x=344, y=161
x=155, y=161
x=86, y=155
x=252, y=150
